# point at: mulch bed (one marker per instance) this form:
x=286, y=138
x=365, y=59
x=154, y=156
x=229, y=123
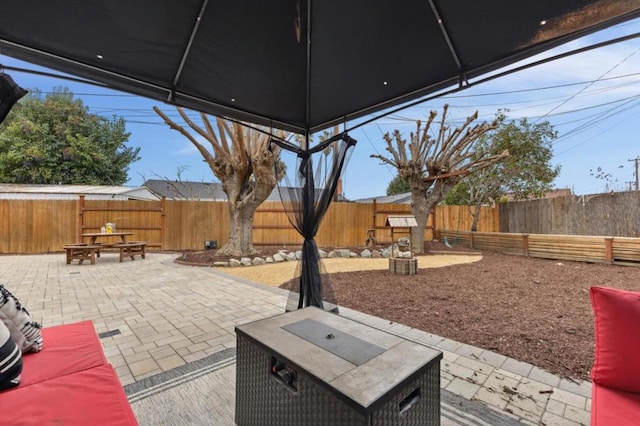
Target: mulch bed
x=533, y=310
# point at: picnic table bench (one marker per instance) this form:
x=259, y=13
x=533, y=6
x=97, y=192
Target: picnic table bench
x=88, y=251
x=131, y=249
x=82, y=252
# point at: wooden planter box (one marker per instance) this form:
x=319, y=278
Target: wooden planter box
x=402, y=266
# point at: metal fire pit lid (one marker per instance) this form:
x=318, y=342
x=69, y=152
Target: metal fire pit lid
x=346, y=346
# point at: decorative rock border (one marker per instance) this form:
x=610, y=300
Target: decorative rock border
x=290, y=256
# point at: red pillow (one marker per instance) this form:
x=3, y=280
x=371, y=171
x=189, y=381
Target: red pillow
x=617, y=338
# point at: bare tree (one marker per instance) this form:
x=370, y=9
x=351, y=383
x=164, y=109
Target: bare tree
x=241, y=159
x=434, y=165
x=526, y=173
x=183, y=190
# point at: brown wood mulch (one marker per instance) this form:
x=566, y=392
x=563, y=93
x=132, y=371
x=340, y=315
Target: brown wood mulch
x=533, y=310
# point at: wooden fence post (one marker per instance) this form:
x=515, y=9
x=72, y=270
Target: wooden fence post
x=436, y=234
x=525, y=244
x=80, y=221
x=471, y=242
x=608, y=249
x=163, y=222
x=375, y=223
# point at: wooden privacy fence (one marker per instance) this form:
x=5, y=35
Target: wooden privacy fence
x=189, y=223
x=611, y=250
x=36, y=226
x=183, y=225
x=614, y=214
x=43, y=226
x=145, y=219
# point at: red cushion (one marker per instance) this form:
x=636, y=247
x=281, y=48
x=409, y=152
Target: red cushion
x=614, y=407
x=90, y=397
x=617, y=338
x=67, y=349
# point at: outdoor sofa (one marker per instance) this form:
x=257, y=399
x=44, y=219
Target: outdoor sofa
x=68, y=382
x=615, y=374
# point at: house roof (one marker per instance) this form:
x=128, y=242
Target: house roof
x=185, y=190
x=21, y=191
x=404, y=198
x=203, y=191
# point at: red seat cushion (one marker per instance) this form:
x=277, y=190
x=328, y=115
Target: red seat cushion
x=90, y=397
x=67, y=349
x=614, y=407
x=617, y=338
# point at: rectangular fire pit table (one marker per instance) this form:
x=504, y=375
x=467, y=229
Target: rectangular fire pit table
x=313, y=367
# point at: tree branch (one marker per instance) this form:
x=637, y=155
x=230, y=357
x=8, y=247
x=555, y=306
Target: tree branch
x=203, y=151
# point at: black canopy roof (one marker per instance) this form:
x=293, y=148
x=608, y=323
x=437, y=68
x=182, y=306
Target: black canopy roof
x=301, y=65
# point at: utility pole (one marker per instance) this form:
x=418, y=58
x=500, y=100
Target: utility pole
x=635, y=160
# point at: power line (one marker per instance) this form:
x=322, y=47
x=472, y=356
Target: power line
x=589, y=85
x=387, y=166
x=397, y=117
x=535, y=102
x=602, y=116
x=533, y=89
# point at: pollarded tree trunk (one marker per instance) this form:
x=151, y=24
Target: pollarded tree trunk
x=421, y=208
x=439, y=161
x=240, y=241
x=242, y=159
x=245, y=196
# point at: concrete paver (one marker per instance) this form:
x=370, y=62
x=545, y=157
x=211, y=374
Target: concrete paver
x=163, y=315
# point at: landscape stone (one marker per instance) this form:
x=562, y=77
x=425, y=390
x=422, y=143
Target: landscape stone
x=322, y=253
x=291, y=256
x=220, y=263
x=298, y=254
x=258, y=261
x=366, y=253
x=245, y=261
x=268, y=259
x=279, y=257
x=343, y=253
x=332, y=254
x=376, y=254
x=234, y=262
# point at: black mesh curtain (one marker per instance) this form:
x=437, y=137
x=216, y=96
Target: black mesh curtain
x=305, y=202
x=10, y=92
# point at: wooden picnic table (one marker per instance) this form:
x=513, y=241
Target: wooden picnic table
x=93, y=236
x=91, y=250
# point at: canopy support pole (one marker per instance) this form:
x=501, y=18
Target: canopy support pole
x=445, y=34
x=187, y=50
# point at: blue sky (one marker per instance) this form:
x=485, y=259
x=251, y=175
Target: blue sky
x=592, y=100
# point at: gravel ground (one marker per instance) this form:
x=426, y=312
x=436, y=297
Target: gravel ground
x=533, y=310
